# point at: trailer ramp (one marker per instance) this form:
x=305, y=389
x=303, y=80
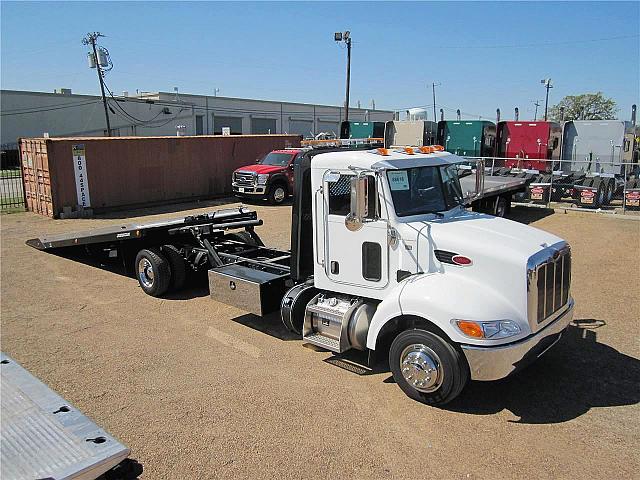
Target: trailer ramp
x=45, y=437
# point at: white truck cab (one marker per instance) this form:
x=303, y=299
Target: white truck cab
x=399, y=263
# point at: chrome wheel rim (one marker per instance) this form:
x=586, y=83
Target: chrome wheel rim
x=502, y=208
x=278, y=195
x=421, y=368
x=601, y=196
x=145, y=272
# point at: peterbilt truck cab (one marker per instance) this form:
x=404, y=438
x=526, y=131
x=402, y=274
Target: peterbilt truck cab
x=400, y=266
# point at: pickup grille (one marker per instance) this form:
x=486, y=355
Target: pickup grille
x=243, y=178
x=549, y=282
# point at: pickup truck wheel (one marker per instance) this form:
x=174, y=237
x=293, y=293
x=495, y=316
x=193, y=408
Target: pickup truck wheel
x=153, y=271
x=178, y=267
x=426, y=367
x=277, y=194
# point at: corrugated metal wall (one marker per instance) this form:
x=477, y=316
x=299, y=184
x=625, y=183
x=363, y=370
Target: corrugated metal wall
x=130, y=171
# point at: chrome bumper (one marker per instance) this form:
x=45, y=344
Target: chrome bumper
x=494, y=363
x=249, y=190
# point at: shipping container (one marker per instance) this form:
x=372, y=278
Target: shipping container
x=529, y=141
x=472, y=138
x=362, y=129
x=101, y=173
x=410, y=132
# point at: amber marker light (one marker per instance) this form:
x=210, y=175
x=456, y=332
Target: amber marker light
x=471, y=329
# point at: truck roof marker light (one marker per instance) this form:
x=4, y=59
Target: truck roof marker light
x=438, y=148
x=426, y=149
x=471, y=329
x=409, y=151
x=383, y=151
x=462, y=260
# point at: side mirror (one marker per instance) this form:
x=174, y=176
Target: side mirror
x=359, y=202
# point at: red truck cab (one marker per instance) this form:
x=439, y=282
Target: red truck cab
x=270, y=178
x=527, y=144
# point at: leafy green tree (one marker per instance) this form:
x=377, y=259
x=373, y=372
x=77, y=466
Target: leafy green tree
x=588, y=106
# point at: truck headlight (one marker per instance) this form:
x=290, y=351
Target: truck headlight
x=490, y=330
x=262, y=178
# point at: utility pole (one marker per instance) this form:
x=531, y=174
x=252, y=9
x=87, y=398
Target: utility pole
x=535, y=115
x=548, y=85
x=346, y=38
x=91, y=39
x=433, y=89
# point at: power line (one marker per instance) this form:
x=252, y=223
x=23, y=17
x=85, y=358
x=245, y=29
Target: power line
x=46, y=109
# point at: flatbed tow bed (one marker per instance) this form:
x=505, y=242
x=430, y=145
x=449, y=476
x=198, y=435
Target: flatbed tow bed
x=198, y=243
x=44, y=436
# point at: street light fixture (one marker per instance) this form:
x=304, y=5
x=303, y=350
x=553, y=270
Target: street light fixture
x=346, y=38
x=548, y=85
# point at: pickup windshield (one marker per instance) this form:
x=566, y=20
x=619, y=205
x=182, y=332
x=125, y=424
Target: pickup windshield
x=277, y=159
x=422, y=190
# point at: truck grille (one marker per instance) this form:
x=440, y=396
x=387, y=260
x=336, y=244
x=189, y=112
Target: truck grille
x=549, y=282
x=243, y=178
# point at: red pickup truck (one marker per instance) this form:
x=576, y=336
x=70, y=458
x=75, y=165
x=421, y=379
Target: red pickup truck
x=270, y=178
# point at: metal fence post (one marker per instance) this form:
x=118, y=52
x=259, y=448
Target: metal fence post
x=624, y=191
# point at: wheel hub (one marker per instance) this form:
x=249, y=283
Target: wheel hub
x=279, y=194
x=145, y=272
x=421, y=368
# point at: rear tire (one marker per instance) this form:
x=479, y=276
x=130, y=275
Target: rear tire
x=153, y=271
x=277, y=194
x=427, y=368
x=244, y=237
x=178, y=267
x=501, y=206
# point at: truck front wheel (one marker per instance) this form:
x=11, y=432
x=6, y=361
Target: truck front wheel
x=277, y=194
x=426, y=367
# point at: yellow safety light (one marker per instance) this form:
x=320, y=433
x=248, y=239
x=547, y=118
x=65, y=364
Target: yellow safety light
x=426, y=149
x=409, y=151
x=438, y=148
x=383, y=151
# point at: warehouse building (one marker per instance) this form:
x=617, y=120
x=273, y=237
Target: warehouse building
x=61, y=114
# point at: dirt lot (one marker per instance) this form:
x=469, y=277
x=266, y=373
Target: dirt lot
x=198, y=389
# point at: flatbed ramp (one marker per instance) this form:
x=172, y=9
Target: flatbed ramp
x=44, y=437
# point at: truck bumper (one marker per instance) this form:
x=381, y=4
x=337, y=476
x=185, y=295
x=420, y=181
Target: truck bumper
x=494, y=363
x=258, y=190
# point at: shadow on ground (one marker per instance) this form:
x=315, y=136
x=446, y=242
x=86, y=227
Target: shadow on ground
x=577, y=374
x=270, y=324
x=528, y=215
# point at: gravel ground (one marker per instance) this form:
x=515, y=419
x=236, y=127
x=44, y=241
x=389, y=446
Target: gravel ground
x=198, y=389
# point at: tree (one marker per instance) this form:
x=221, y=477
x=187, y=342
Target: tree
x=588, y=106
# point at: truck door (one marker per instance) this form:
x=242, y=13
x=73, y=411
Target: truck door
x=360, y=257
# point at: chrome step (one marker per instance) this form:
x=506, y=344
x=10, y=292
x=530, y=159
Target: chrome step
x=322, y=341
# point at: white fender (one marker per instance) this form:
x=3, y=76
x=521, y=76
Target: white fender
x=439, y=298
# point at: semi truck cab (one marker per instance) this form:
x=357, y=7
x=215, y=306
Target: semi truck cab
x=400, y=266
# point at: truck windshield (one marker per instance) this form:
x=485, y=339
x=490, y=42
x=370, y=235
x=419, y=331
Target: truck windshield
x=421, y=190
x=279, y=159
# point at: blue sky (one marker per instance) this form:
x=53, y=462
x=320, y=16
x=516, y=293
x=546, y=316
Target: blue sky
x=485, y=55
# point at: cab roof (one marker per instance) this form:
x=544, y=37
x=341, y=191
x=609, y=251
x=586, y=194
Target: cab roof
x=372, y=159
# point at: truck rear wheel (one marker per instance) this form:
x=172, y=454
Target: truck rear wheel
x=177, y=265
x=153, y=271
x=426, y=367
x=501, y=206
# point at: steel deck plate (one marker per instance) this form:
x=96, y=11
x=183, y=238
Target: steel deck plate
x=44, y=436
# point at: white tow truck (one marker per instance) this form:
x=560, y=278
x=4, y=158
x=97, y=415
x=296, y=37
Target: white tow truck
x=384, y=257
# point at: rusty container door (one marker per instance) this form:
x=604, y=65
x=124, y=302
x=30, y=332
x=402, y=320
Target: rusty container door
x=36, y=176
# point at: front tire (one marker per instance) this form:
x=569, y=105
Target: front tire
x=427, y=368
x=277, y=194
x=153, y=272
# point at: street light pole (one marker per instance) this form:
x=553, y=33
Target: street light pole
x=433, y=88
x=548, y=85
x=90, y=39
x=346, y=38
